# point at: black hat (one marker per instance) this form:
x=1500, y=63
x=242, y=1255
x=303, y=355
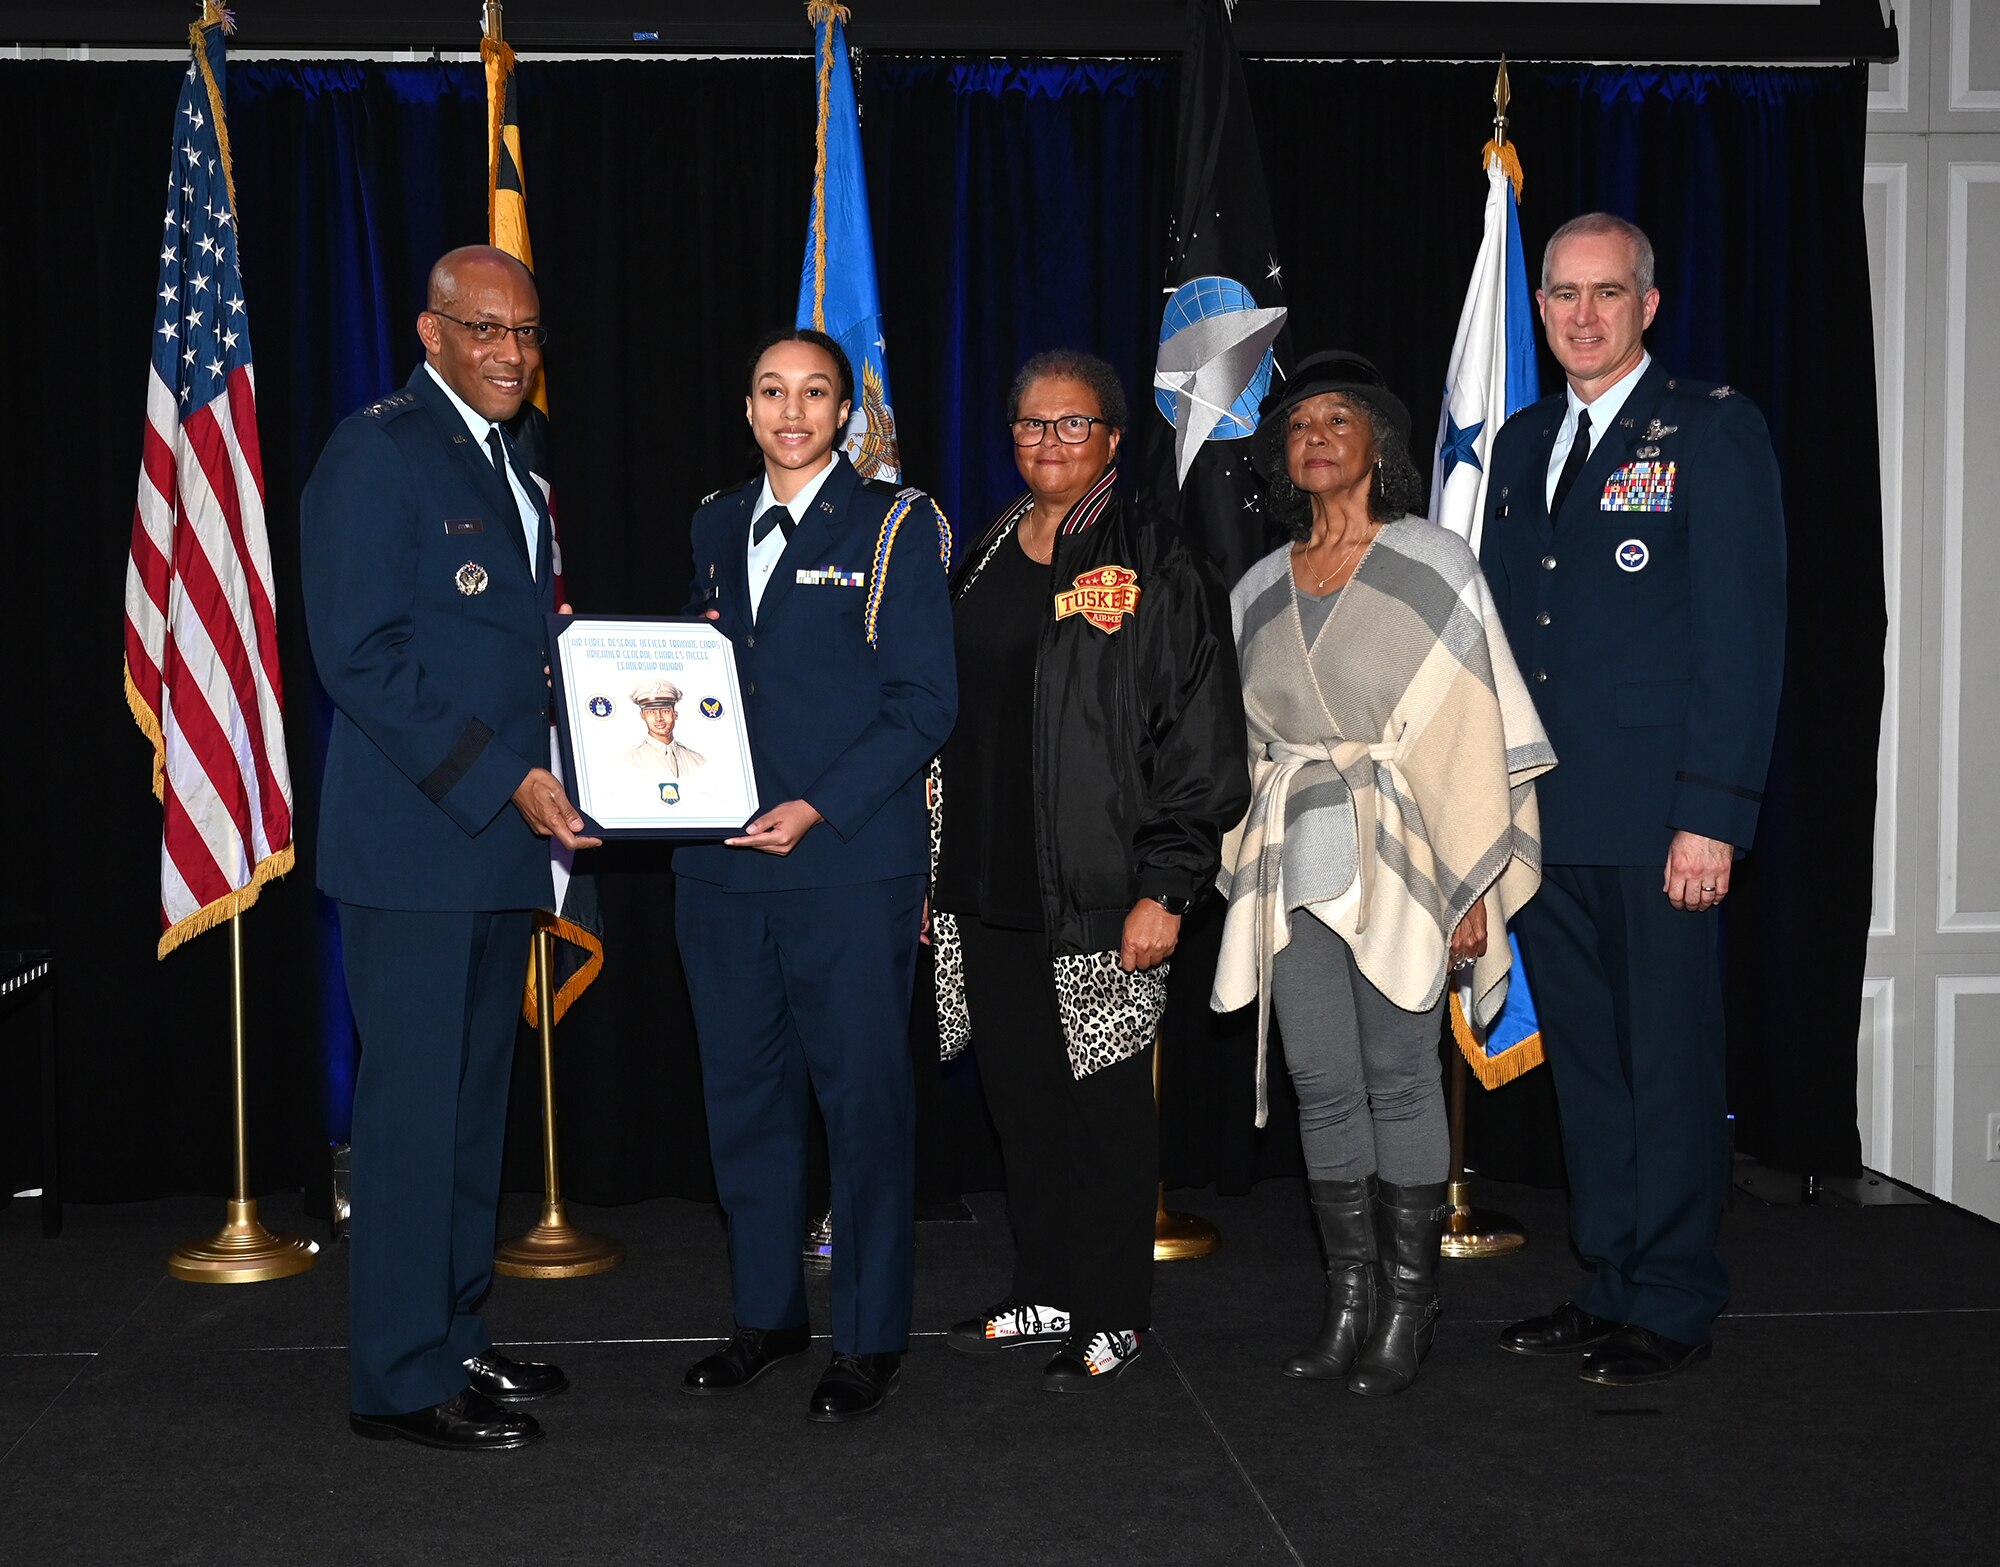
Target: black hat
x=1335, y=370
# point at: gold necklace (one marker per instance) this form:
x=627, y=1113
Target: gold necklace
x=1320, y=582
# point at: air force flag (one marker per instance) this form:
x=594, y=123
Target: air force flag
x=1492, y=374
x=837, y=293
x=1492, y=369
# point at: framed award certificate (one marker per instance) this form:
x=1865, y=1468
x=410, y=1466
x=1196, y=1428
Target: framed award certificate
x=649, y=717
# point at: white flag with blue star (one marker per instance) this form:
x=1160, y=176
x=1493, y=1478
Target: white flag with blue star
x=1492, y=375
x=1492, y=369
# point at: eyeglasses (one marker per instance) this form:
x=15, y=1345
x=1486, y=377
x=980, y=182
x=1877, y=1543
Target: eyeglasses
x=1071, y=429
x=489, y=332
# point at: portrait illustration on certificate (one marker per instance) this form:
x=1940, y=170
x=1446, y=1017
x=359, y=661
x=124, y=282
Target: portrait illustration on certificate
x=650, y=720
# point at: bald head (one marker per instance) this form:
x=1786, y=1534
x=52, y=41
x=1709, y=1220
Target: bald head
x=480, y=300
x=468, y=267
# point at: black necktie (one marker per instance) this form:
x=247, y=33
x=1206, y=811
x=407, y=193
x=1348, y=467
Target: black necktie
x=1579, y=454
x=774, y=517
x=498, y=451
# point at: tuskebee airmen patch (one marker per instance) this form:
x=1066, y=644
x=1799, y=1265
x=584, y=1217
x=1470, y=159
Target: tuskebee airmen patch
x=1104, y=596
x=711, y=707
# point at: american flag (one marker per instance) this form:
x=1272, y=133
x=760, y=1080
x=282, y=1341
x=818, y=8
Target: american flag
x=201, y=640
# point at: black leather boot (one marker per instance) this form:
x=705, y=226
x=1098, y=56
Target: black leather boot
x=1344, y=1212
x=1409, y=1222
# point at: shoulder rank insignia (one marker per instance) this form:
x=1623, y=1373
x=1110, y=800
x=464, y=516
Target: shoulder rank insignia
x=711, y=495
x=1104, y=596
x=1656, y=431
x=1723, y=391
x=389, y=404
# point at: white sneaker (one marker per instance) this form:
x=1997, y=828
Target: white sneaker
x=1090, y=1360
x=1009, y=1325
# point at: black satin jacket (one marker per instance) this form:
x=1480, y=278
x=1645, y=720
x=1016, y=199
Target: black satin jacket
x=1139, y=747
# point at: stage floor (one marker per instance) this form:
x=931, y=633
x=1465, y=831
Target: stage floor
x=1847, y=1414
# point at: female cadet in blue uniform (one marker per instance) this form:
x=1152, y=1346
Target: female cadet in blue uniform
x=799, y=937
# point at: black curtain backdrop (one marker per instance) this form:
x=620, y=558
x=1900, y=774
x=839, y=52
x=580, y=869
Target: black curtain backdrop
x=1017, y=205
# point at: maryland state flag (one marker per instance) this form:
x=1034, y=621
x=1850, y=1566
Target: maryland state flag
x=837, y=291
x=577, y=916
x=1491, y=375
x=1222, y=333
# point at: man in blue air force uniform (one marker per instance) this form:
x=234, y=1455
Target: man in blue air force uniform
x=799, y=936
x=425, y=557
x=1635, y=544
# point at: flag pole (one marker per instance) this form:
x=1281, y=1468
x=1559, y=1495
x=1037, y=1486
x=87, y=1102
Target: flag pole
x=553, y=1249
x=1177, y=1236
x=242, y=1251
x=1470, y=1231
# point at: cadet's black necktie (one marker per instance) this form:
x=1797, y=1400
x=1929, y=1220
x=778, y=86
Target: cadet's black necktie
x=1579, y=454
x=774, y=517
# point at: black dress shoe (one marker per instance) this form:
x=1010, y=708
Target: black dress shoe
x=1635, y=1355
x=508, y=1381
x=1568, y=1330
x=749, y=1353
x=468, y=1423
x=853, y=1386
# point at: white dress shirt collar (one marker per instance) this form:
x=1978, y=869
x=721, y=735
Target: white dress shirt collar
x=1603, y=408
x=797, y=505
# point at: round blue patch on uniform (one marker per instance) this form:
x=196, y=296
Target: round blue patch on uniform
x=1632, y=555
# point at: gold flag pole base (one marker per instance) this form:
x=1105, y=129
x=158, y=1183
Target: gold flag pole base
x=552, y=1249
x=1470, y=1231
x=1179, y=1236
x=1477, y=1232
x=242, y=1252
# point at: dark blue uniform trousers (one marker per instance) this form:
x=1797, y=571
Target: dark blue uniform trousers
x=437, y=997
x=1631, y=1013
x=799, y=993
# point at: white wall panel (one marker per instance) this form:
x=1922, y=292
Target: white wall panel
x=1966, y=1090
x=1875, y=1074
x=1969, y=633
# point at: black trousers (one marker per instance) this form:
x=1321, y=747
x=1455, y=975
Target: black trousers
x=1631, y=1009
x=1082, y=1155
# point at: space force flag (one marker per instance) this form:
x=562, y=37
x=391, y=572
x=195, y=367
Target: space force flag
x=837, y=293
x=1222, y=325
x=1492, y=374
x=201, y=635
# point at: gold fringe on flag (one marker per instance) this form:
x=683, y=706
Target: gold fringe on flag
x=818, y=11
x=1492, y=1071
x=1510, y=165
x=577, y=983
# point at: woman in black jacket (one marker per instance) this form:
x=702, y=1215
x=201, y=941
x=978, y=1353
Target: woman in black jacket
x=1077, y=812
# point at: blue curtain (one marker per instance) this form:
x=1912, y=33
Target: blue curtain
x=1017, y=205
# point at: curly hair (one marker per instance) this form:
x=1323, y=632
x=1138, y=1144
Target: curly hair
x=803, y=334
x=1396, y=491
x=1075, y=365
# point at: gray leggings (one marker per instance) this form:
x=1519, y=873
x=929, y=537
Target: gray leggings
x=1371, y=1094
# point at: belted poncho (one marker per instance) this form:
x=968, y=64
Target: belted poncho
x=1391, y=772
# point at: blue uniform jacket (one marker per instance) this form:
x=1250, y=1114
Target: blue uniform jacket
x=1649, y=618
x=428, y=632
x=833, y=721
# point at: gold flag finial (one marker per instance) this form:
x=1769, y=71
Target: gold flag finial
x=490, y=18
x=1501, y=97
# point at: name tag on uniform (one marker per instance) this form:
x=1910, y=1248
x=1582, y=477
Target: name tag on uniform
x=832, y=577
x=464, y=525
x=1640, y=486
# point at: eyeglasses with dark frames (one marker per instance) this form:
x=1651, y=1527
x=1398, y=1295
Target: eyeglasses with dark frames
x=1071, y=429
x=534, y=335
